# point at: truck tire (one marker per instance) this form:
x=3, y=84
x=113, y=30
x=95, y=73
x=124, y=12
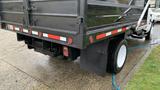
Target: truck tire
x=148, y=37
x=117, y=55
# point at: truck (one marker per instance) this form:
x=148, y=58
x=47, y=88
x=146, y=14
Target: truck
x=153, y=14
x=94, y=30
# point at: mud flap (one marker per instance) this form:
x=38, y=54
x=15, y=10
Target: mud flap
x=94, y=58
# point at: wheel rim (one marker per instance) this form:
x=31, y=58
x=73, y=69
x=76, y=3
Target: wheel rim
x=121, y=56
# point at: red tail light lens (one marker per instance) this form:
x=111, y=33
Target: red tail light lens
x=65, y=51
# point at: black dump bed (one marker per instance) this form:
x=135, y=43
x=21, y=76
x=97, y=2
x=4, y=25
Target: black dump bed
x=77, y=19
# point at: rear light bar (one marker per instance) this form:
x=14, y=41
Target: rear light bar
x=68, y=40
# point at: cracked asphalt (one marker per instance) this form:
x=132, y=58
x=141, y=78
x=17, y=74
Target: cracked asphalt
x=24, y=69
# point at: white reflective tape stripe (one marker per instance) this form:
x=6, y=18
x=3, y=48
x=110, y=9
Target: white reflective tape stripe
x=109, y=33
x=34, y=32
x=10, y=27
x=17, y=29
x=63, y=39
x=119, y=30
x=25, y=30
x=45, y=35
x=127, y=28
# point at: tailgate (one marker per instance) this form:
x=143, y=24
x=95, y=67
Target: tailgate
x=53, y=16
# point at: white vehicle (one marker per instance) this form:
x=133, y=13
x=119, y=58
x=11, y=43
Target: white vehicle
x=154, y=13
x=153, y=9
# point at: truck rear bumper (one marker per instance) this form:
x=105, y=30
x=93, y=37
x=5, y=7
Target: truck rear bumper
x=49, y=48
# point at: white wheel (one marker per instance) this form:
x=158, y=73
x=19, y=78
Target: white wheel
x=122, y=54
x=117, y=55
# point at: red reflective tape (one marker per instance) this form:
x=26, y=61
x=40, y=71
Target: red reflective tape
x=14, y=28
x=30, y=30
x=124, y=29
x=114, y=32
x=53, y=37
x=100, y=36
x=40, y=34
x=21, y=28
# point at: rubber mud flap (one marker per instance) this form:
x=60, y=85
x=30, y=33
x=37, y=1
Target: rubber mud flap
x=94, y=58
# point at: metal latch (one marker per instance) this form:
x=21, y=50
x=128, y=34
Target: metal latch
x=80, y=20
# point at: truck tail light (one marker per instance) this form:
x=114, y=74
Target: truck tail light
x=65, y=51
x=91, y=40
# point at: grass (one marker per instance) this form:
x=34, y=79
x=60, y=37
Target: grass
x=148, y=76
